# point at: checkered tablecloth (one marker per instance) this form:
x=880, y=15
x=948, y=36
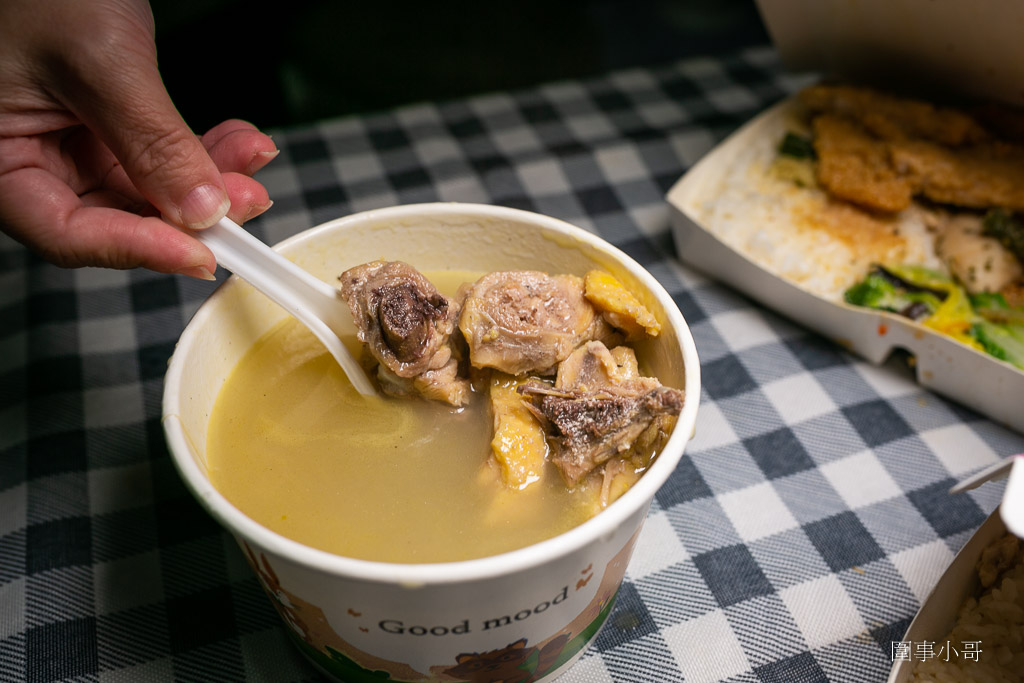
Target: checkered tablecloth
x=794, y=543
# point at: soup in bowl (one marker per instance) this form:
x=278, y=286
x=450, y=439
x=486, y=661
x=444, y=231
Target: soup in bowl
x=388, y=535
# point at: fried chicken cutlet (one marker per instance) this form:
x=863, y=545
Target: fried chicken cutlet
x=880, y=151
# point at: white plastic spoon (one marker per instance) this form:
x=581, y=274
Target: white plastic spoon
x=996, y=470
x=314, y=302
x=1012, y=507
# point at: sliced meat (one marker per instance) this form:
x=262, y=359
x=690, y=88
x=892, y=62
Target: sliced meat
x=527, y=321
x=406, y=324
x=980, y=262
x=600, y=408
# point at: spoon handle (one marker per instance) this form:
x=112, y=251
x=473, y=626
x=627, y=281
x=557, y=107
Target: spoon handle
x=314, y=302
x=1012, y=507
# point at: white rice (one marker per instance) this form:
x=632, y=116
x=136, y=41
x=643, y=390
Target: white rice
x=765, y=218
x=996, y=621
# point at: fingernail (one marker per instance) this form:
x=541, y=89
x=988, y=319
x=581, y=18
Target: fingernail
x=204, y=206
x=198, y=272
x=257, y=210
x=261, y=159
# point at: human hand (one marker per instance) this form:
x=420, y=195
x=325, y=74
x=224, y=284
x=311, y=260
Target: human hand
x=93, y=152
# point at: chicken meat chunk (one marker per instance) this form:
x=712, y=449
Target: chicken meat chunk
x=978, y=261
x=406, y=324
x=527, y=321
x=600, y=408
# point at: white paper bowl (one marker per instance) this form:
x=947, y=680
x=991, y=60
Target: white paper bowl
x=539, y=606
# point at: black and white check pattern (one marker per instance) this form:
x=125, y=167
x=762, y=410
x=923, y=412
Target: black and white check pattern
x=795, y=541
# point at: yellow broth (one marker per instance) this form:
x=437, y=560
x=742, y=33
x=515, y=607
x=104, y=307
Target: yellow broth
x=295, y=447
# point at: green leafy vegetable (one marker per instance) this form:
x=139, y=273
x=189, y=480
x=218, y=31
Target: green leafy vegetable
x=797, y=146
x=884, y=290
x=1005, y=342
x=993, y=300
x=984, y=321
x=992, y=306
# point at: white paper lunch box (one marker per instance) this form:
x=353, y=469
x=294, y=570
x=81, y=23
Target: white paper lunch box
x=974, y=48
x=943, y=365
x=938, y=612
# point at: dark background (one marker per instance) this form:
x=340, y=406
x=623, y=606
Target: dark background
x=293, y=61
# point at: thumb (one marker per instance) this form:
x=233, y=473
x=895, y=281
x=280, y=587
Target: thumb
x=118, y=93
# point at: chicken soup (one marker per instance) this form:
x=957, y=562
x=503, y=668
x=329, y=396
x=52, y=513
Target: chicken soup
x=513, y=409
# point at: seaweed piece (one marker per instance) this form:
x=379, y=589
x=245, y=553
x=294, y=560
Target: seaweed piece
x=908, y=285
x=883, y=289
x=916, y=310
